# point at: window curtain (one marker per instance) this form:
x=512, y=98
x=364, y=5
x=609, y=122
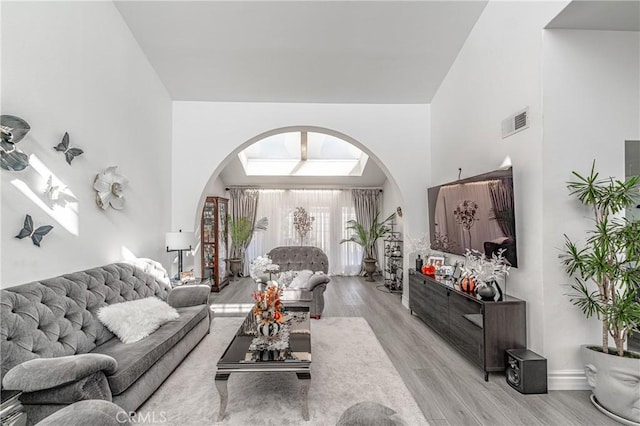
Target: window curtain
x=330, y=210
x=243, y=202
x=366, y=204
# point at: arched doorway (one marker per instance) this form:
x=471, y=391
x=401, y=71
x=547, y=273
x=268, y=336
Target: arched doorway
x=317, y=161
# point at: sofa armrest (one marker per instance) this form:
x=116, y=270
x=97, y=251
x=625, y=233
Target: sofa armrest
x=46, y=373
x=189, y=295
x=316, y=280
x=92, y=412
x=94, y=386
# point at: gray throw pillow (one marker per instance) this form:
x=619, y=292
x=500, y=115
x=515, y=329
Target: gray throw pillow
x=370, y=413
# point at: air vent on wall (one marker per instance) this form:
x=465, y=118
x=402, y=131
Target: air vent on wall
x=515, y=123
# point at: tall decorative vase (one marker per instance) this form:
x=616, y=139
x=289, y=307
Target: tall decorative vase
x=419, y=264
x=268, y=329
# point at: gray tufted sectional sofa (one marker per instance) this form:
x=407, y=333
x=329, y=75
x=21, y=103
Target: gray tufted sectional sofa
x=56, y=319
x=297, y=258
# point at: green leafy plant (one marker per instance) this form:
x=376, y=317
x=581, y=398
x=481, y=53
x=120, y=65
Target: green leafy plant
x=610, y=257
x=367, y=237
x=241, y=231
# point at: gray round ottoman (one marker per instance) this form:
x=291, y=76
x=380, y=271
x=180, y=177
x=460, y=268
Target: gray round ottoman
x=370, y=413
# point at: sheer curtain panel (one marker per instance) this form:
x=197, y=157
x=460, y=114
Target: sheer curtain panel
x=330, y=210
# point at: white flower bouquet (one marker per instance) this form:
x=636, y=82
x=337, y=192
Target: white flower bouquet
x=484, y=270
x=263, y=270
x=262, y=265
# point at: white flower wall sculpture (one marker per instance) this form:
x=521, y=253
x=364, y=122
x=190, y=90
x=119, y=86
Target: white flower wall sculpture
x=110, y=186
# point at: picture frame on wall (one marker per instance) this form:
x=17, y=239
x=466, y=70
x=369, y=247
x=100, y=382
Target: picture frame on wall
x=436, y=261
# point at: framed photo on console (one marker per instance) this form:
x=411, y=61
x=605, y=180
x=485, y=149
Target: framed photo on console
x=436, y=261
x=187, y=276
x=446, y=270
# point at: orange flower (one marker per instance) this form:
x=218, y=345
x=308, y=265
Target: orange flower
x=268, y=300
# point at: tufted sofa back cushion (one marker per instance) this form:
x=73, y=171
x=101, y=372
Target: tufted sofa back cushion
x=57, y=316
x=297, y=258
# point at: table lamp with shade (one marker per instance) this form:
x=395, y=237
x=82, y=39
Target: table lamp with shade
x=179, y=241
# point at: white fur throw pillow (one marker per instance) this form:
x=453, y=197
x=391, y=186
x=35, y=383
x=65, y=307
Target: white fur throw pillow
x=301, y=279
x=136, y=319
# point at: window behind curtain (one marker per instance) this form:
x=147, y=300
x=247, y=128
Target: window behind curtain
x=331, y=209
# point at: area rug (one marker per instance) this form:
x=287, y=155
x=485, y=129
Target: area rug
x=348, y=366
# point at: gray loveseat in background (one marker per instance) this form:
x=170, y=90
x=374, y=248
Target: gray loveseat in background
x=56, y=319
x=298, y=258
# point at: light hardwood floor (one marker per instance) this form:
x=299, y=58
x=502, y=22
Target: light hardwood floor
x=447, y=387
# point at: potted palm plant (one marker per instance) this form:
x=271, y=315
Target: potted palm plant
x=606, y=272
x=240, y=231
x=367, y=238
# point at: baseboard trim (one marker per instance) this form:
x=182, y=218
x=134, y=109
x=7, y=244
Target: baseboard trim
x=567, y=380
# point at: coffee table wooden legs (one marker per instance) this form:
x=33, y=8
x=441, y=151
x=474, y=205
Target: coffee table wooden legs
x=305, y=381
x=221, y=385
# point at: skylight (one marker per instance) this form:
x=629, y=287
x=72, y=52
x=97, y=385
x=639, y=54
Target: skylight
x=302, y=154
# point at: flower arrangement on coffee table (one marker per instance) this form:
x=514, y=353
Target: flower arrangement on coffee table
x=268, y=308
x=262, y=265
x=272, y=332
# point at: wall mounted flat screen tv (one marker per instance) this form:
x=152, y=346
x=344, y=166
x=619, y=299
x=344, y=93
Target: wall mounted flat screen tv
x=474, y=213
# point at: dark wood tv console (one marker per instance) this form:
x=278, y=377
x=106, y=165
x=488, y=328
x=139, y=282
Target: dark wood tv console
x=480, y=330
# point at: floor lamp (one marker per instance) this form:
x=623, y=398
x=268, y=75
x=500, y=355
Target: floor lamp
x=179, y=241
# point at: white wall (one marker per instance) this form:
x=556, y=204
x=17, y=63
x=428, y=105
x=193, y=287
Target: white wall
x=497, y=73
x=205, y=135
x=75, y=67
x=591, y=105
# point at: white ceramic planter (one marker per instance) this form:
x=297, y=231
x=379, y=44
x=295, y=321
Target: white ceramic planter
x=615, y=382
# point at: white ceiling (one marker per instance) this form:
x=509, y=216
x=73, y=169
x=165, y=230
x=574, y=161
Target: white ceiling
x=301, y=51
x=320, y=52
x=599, y=15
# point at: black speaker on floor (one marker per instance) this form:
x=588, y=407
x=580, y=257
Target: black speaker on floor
x=526, y=371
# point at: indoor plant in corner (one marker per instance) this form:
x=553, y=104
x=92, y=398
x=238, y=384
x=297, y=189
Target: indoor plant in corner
x=606, y=270
x=367, y=238
x=241, y=231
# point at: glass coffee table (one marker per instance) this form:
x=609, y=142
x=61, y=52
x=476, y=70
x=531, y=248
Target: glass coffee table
x=248, y=354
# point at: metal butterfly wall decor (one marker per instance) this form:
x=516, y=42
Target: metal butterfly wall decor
x=12, y=130
x=69, y=153
x=53, y=191
x=37, y=234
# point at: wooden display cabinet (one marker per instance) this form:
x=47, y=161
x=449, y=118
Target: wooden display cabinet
x=214, y=241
